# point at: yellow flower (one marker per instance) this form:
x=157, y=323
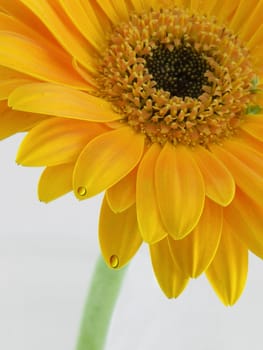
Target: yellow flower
x=158, y=103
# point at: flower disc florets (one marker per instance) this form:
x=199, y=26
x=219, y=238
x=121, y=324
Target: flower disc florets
x=177, y=77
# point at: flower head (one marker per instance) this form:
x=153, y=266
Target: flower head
x=157, y=103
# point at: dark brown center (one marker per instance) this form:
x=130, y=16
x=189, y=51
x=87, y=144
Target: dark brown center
x=179, y=71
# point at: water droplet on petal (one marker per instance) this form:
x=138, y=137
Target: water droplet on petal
x=82, y=191
x=114, y=261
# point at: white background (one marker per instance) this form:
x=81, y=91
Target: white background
x=47, y=253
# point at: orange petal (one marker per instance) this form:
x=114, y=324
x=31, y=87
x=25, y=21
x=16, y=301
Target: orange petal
x=85, y=22
x=180, y=190
x=252, y=20
x=12, y=122
x=29, y=57
x=149, y=219
x=251, y=141
x=223, y=10
x=255, y=42
x=219, y=183
x=246, y=166
x=106, y=160
x=122, y=195
x=56, y=141
x=66, y=34
x=7, y=86
x=15, y=9
x=61, y=101
x=55, y=181
x=115, y=11
x=10, y=23
x=244, y=216
x=241, y=15
x=118, y=234
x=194, y=253
x=228, y=271
x=170, y=278
x=254, y=126
x=139, y=5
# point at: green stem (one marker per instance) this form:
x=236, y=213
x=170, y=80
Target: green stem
x=102, y=296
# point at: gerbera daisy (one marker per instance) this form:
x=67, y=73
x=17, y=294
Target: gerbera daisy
x=157, y=103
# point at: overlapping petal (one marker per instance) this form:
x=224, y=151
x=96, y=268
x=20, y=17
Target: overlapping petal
x=180, y=190
x=246, y=166
x=66, y=34
x=12, y=122
x=244, y=217
x=55, y=181
x=115, y=10
x=251, y=141
x=219, y=183
x=241, y=15
x=106, y=160
x=122, y=195
x=195, y=252
x=170, y=278
x=86, y=22
x=254, y=126
x=252, y=22
x=149, y=219
x=15, y=9
x=119, y=235
x=61, y=101
x=66, y=137
x=29, y=57
x=228, y=271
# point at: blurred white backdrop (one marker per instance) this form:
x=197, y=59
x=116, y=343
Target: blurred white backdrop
x=47, y=254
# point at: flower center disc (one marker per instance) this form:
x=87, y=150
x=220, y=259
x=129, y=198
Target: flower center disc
x=179, y=71
x=177, y=77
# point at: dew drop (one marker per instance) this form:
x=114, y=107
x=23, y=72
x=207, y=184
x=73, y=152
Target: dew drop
x=114, y=261
x=82, y=191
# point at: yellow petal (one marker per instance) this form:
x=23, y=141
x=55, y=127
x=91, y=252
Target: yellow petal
x=254, y=126
x=118, y=235
x=10, y=23
x=122, y=195
x=7, y=86
x=29, y=57
x=139, y=5
x=253, y=20
x=244, y=216
x=246, y=166
x=71, y=40
x=223, y=10
x=121, y=7
x=228, y=271
x=180, y=190
x=18, y=11
x=149, y=219
x=170, y=278
x=61, y=101
x=251, y=141
x=194, y=253
x=12, y=122
x=84, y=21
x=219, y=183
x=255, y=42
x=97, y=16
x=106, y=160
x=115, y=10
x=55, y=181
x=241, y=15
x=200, y=5
x=56, y=141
